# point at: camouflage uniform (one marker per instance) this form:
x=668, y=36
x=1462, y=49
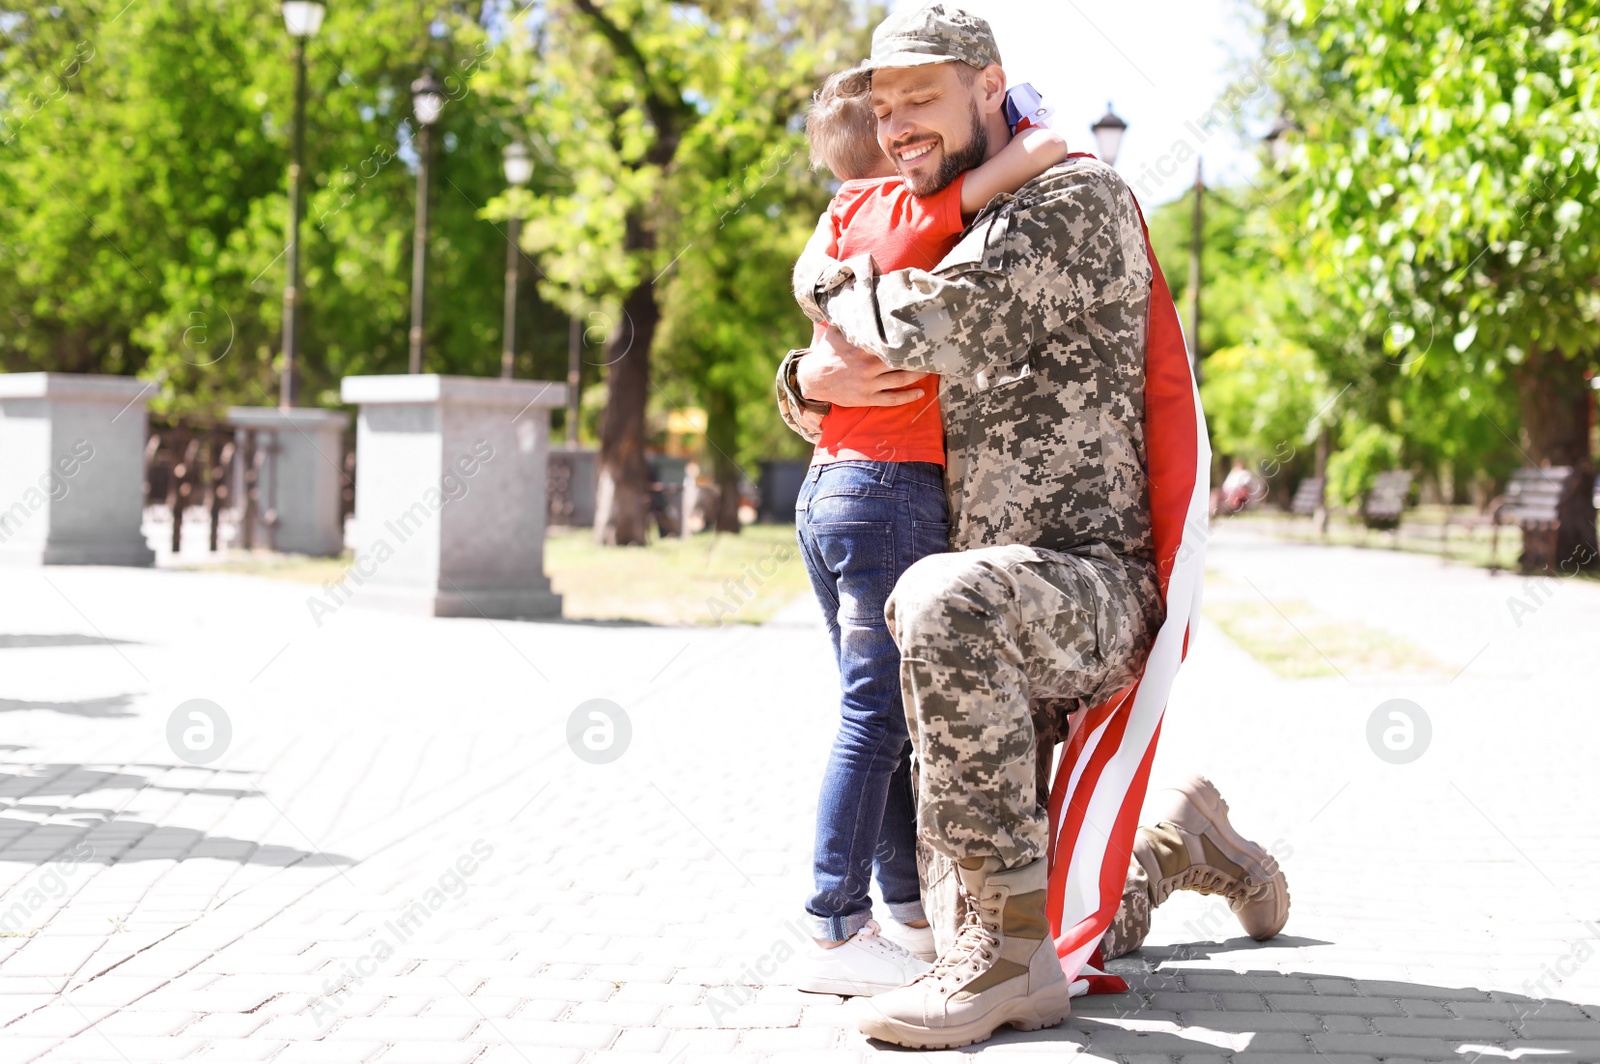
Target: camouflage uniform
x=1131, y=923
x=1036, y=322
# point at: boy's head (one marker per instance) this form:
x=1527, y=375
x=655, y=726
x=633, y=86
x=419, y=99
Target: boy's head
x=844, y=131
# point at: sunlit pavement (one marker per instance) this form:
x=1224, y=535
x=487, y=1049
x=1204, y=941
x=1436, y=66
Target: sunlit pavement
x=420, y=843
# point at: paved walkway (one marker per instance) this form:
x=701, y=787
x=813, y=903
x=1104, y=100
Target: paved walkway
x=399, y=855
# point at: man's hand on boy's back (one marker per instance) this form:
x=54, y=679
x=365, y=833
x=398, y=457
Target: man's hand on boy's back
x=836, y=371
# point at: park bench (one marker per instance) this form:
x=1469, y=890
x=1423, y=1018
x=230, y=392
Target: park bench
x=1307, y=497
x=1533, y=502
x=1387, y=500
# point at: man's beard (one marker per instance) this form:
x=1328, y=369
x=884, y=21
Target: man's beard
x=956, y=162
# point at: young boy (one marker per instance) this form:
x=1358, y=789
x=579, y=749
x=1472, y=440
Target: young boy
x=872, y=504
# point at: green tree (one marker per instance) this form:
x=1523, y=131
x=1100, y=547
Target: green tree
x=1262, y=405
x=1365, y=451
x=657, y=113
x=730, y=313
x=1443, y=189
x=143, y=166
x=1238, y=277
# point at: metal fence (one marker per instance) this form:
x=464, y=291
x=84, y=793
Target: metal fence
x=222, y=468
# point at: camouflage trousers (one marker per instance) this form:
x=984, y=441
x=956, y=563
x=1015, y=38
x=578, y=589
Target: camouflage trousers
x=1131, y=923
x=981, y=632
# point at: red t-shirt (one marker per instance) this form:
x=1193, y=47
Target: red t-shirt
x=881, y=218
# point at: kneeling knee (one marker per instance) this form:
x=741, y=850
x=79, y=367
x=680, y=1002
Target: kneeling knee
x=940, y=596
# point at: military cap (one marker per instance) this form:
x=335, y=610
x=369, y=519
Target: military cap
x=932, y=33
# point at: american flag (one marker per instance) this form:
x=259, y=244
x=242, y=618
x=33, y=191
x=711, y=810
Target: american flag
x=1104, y=770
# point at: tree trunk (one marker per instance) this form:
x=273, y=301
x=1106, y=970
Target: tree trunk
x=622, y=499
x=722, y=440
x=1554, y=396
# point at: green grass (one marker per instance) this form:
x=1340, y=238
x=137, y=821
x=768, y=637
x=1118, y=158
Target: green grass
x=1421, y=532
x=1292, y=640
x=298, y=568
x=704, y=580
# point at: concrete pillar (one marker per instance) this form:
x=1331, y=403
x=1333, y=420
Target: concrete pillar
x=301, y=476
x=450, y=495
x=72, y=469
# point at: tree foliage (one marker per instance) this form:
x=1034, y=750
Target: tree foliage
x=143, y=209
x=143, y=174
x=684, y=200
x=1264, y=405
x=1441, y=202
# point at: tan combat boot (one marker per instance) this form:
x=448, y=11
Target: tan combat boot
x=1193, y=847
x=1001, y=969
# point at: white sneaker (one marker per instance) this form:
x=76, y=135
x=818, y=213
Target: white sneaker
x=918, y=941
x=866, y=964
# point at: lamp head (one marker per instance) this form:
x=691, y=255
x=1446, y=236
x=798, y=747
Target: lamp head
x=303, y=18
x=1108, y=135
x=518, y=163
x=427, y=98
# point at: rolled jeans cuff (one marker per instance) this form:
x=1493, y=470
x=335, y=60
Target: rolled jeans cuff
x=905, y=912
x=837, y=928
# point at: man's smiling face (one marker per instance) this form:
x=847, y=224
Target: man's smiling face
x=930, y=121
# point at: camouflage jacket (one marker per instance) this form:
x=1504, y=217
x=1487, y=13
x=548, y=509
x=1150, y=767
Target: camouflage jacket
x=1037, y=322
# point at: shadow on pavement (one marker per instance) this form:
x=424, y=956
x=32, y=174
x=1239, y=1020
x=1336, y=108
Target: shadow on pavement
x=1216, y=1013
x=114, y=706
x=113, y=840
x=122, y=841
x=71, y=780
x=66, y=639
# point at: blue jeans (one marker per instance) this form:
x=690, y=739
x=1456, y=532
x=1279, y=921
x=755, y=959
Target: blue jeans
x=860, y=525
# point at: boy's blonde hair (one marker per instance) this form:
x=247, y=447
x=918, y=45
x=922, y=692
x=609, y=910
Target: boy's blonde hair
x=843, y=129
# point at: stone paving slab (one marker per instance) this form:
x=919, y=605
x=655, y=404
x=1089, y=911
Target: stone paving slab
x=399, y=856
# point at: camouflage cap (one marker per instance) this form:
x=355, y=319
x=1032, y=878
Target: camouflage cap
x=932, y=33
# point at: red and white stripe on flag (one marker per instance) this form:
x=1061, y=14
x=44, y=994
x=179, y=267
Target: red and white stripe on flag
x=1104, y=770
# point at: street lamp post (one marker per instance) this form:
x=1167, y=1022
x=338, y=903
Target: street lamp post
x=574, y=377
x=1278, y=146
x=427, y=101
x=302, y=18
x=519, y=169
x=1196, y=245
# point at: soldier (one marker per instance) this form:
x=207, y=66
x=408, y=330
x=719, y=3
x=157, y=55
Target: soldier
x=1037, y=322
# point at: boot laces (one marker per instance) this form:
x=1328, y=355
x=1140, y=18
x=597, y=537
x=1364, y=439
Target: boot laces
x=1206, y=879
x=972, y=951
